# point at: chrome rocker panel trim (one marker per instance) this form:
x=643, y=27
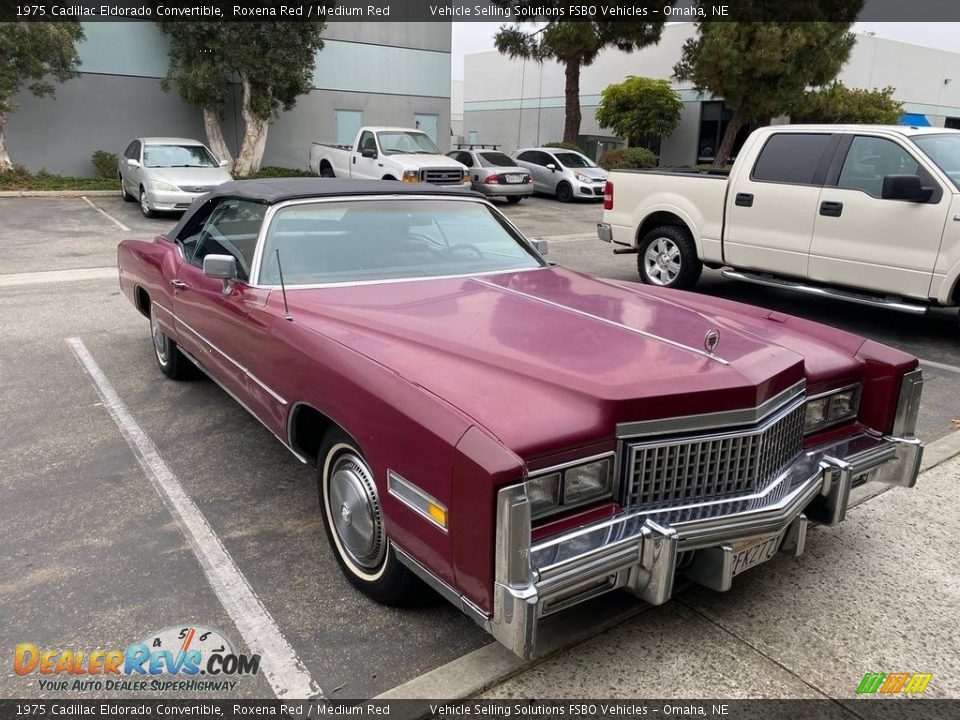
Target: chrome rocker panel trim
x=638, y=550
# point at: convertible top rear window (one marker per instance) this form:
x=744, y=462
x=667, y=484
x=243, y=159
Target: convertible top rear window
x=375, y=240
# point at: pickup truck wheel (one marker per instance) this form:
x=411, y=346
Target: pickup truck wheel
x=668, y=258
x=564, y=192
x=353, y=520
x=171, y=361
x=327, y=172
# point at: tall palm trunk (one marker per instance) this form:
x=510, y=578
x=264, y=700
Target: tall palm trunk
x=571, y=124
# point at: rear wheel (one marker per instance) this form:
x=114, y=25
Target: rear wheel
x=668, y=258
x=123, y=191
x=514, y=199
x=353, y=520
x=564, y=192
x=172, y=362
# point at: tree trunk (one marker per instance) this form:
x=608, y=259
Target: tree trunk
x=254, y=138
x=5, y=163
x=211, y=123
x=726, y=145
x=571, y=125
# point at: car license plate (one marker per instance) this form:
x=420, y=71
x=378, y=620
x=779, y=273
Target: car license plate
x=514, y=178
x=755, y=551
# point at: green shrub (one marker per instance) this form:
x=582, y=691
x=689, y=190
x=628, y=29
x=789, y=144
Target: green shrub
x=272, y=171
x=104, y=164
x=21, y=179
x=628, y=159
x=563, y=146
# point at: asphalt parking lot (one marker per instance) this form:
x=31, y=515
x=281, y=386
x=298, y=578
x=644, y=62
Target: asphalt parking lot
x=91, y=556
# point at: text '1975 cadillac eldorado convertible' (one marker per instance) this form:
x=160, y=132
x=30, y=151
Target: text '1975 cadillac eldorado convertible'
x=519, y=436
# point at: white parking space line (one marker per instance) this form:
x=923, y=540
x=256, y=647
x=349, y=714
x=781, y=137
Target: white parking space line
x=941, y=366
x=107, y=215
x=54, y=276
x=283, y=669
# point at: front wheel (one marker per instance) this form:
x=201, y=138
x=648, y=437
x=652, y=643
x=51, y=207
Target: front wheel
x=668, y=258
x=145, y=205
x=327, y=172
x=353, y=521
x=172, y=362
x=564, y=192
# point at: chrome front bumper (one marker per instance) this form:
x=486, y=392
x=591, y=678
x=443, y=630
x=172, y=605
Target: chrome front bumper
x=638, y=550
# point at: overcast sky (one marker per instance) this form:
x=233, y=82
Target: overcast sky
x=471, y=37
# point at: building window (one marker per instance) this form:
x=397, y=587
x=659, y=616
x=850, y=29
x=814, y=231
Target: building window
x=714, y=118
x=472, y=138
x=347, y=124
x=952, y=123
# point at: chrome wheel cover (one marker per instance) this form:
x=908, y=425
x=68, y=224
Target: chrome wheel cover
x=161, y=343
x=662, y=261
x=144, y=205
x=355, y=511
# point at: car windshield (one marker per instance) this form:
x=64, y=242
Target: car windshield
x=574, y=160
x=178, y=156
x=496, y=159
x=374, y=240
x=393, y=142
x=944, y=150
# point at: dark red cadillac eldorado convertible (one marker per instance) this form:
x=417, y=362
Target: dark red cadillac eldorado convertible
x=519, y=436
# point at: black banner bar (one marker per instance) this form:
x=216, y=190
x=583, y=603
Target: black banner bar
x=467, y=10
x=855, y=709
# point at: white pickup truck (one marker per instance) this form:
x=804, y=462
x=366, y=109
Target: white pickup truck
x=864, y=213
x=388, y=153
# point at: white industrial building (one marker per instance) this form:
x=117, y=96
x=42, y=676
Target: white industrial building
x=520, y=103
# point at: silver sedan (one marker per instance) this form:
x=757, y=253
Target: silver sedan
x=494, y=173
x=167, y=174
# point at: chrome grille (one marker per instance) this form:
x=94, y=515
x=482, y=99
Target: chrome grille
x=442, y=176
x=682, y=470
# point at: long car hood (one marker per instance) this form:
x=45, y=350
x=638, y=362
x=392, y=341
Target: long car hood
x=420, y=162
x=205, y=177
x=549, y=359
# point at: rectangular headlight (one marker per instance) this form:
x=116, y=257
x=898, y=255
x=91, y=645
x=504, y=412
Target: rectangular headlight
x=831, y=409
x=544, y=494
x=585, y=482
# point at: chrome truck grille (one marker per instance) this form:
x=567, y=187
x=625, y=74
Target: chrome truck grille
x=442, y=176
x=681, y=469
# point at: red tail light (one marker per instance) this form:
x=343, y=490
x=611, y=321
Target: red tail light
x=608, y=196
x=492, y=180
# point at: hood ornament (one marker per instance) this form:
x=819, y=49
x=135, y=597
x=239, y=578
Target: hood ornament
x=711, y=340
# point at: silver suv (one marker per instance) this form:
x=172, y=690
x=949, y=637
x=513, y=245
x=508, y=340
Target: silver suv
x=564, y=173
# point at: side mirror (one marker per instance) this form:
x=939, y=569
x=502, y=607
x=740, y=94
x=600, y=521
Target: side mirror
x=540, y=244
x=223, y=267
x=224, y=163
x=551, y=167
x=133, y=163
x=905, y=187
x=368, y=153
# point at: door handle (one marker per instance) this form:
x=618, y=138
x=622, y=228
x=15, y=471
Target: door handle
x=831, y=209
x=744, y=200
x=179, y=284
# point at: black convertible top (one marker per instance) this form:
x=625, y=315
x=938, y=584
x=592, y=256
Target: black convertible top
x=273, y=190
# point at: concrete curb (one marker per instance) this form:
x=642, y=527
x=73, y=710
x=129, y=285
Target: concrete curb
x=58, y=193
x=476, y=671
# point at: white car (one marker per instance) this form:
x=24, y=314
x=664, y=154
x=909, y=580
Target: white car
x=864, y=213
x=167, y=174
x=565, y=173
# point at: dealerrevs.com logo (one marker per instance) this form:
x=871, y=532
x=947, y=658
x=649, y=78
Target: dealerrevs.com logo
x=188, y=658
